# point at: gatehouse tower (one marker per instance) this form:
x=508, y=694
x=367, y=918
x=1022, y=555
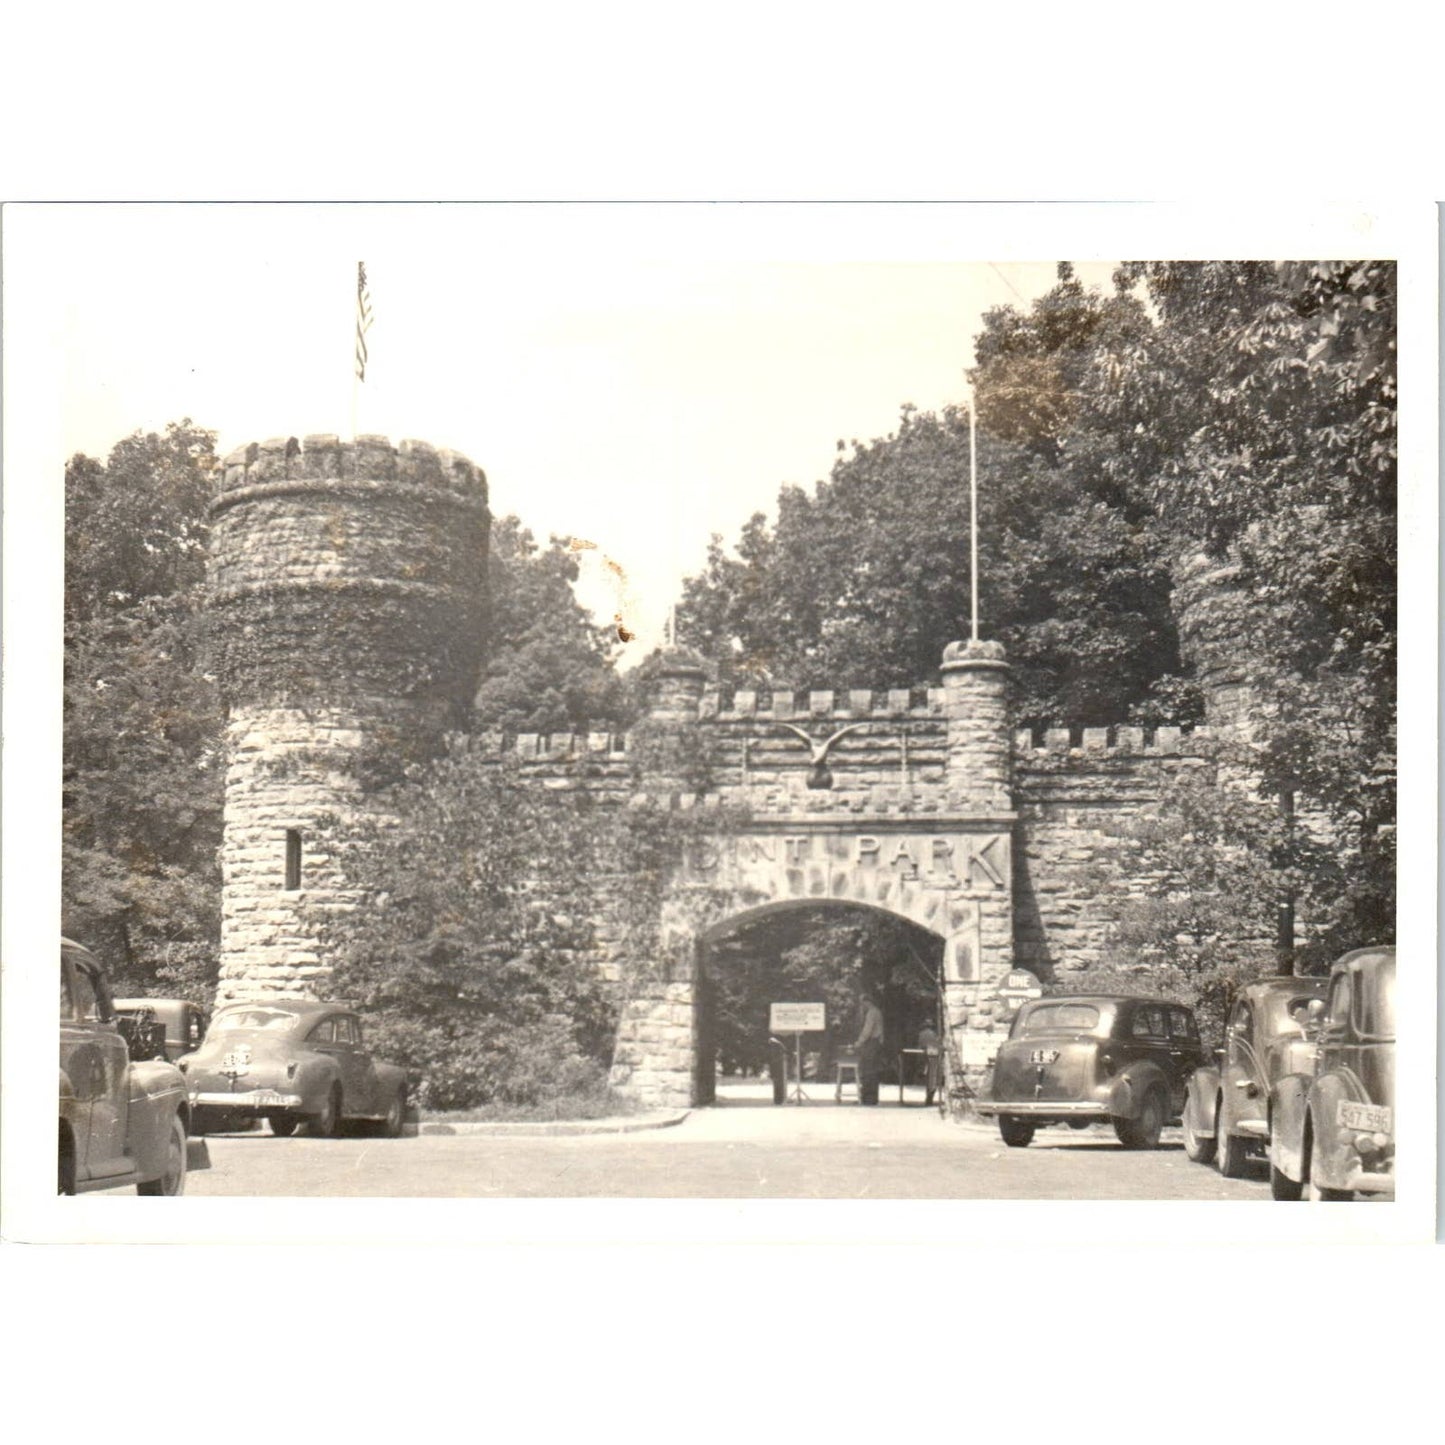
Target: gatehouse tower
x=347, y=613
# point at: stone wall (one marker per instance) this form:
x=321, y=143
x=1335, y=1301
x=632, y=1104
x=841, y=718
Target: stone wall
x=1073, y=872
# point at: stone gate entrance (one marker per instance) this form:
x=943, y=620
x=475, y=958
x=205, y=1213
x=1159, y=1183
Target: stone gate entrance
x=347, y=589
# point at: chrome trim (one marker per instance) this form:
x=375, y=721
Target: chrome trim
x=1062, y=1109
x=255, y=1099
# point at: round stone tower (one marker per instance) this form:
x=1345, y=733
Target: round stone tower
x=348, y=601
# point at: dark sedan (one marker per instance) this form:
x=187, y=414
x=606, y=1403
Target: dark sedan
x=292, y=1062
x=1095, y=1058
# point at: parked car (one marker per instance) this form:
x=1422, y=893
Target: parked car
x=292, y=1061
x=122, y=1120
x=1332, y=1123
x=1094, y=1058
x=182, y=1023
x=1226, y=1113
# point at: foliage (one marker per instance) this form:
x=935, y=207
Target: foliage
x=143, y=772
x=1219, y=862
x=478, y=960
x=866, y=579
x=548, y=669
x=825, y=954
x=135, y=526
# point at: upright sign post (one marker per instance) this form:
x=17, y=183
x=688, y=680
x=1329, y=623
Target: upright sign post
x=797, y=1019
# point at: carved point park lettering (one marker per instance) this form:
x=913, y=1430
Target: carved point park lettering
x=962, y=859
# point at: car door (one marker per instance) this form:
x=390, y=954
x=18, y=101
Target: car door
x=1234, y=1070
x=338, y=1038
x=1149, y=1031
x=97, y=1067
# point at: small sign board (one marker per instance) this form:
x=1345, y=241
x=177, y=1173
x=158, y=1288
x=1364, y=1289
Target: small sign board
x=1020, y=985
x=797, y=1018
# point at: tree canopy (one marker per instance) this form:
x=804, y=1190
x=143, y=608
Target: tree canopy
x=1242, y=410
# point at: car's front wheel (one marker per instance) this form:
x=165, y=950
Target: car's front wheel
x=1281, y=1186
x=1200, y=1148
x=1230, y=1149
x=327, y=1124
x=1144, y=1132
x=173, y=1180
x=1016, y=1133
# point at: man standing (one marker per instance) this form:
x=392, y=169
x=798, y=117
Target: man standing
x=932, y=1060
x=869, y=1048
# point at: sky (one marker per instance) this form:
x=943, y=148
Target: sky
x=636, y=377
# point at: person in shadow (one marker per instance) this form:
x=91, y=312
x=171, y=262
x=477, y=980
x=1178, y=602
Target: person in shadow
x=868, y=1047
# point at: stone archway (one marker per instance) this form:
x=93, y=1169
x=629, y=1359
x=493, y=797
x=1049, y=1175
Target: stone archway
x=949, y=875
x=819, y=951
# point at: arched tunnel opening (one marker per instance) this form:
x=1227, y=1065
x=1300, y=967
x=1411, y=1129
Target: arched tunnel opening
x=814, y=952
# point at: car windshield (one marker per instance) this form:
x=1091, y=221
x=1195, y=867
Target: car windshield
x=278, y=1021
x=1061, y=1018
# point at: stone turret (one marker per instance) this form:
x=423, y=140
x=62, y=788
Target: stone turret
x=980, y=750
x=347, y=585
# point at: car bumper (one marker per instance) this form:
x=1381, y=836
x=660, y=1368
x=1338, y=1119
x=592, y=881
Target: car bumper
x=1372, y=1183
x=1044, y=1108
x=256, y=1101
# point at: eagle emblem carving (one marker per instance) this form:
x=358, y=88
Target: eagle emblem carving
x=820, y=775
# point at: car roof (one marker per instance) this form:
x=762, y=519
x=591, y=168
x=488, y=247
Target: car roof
x=1285, y=983
x=299, y=1006
x=1382, y=951
x=1098, y=998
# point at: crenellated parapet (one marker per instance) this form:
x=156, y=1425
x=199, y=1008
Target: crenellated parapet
x=340, y=569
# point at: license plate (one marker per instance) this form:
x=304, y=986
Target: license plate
x=1044, y=1056
x=236, y=1065
x=1374, y=1117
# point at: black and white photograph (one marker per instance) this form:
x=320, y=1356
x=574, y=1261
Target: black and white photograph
x=742, y=703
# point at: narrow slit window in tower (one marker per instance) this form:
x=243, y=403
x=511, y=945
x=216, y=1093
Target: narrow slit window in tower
x=293, y=859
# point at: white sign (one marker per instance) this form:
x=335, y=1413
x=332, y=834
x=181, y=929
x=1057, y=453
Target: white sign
x=797, y=1018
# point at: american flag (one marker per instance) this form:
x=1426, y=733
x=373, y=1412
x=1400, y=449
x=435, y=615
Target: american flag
x=363, y=319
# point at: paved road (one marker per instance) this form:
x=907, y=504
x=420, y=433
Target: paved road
x=731, y=1152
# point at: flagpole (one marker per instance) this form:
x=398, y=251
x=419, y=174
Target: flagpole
x=363, y=325
x=973, y=512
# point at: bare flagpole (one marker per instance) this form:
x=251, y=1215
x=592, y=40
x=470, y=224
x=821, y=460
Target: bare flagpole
x=973, y=510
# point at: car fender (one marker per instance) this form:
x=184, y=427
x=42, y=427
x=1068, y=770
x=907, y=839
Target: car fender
x=389, y=1078
x=1126, y=1096
x=1288, y=1105
x=157, y=1093
x=315, y=1076
x=68, y=1102
x=1332, y=1158
x=1203, y=1094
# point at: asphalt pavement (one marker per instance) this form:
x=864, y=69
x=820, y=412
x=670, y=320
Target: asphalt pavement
x=743, y=1148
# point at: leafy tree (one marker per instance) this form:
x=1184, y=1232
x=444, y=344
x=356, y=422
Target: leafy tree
x=548, y=667
x=494, y=903
x=1274, y=392
x=143, y=777
x=135, y=526
x=866, y=579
